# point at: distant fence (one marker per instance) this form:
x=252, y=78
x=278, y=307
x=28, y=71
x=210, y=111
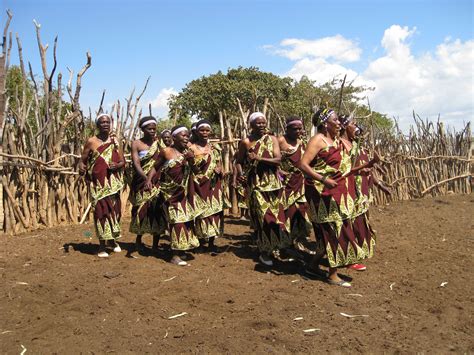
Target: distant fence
x=430, y=160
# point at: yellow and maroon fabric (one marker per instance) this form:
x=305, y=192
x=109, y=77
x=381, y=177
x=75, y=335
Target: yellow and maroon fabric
x=147, y=214
x=179, y=203
x=106, y=186
x=363, y=181
x=294, y=200
x=362, y=184
x=267, y=213
x=331, y=209
x=209, y=186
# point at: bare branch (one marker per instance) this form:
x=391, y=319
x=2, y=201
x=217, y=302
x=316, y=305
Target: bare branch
x=5, y=31
x=54, y=65
x=425, y=191
x=69, y=84
x=143, y=91
x=75, y=104
x=60, y=93
x=100, y=110
x=131, y=114
x=372, y=133
x=9, y=50
x=340, y=95
x=42, y=50
x=20, y=56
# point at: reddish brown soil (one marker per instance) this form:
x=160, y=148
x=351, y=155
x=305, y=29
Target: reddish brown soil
x=66, y=300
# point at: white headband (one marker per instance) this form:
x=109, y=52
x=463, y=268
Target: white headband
x=203, y=125
x=255, y=115
x=146, y=123
x=179, y=130
x=291, y=123
x=102, y=115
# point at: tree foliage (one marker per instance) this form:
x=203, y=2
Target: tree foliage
x=220, y=93
x=18, y=90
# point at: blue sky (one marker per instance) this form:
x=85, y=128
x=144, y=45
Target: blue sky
x=178, y=41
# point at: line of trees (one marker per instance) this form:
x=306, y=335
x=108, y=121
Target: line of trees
x=232, y=96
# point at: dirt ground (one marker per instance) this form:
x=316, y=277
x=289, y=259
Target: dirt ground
x=417, y=295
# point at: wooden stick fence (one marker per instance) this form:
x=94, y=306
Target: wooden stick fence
x=42, y=136
x=427, y=161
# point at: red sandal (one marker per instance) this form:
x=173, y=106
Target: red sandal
x=357, y=267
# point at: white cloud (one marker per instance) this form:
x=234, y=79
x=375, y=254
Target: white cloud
x=433, y=83
x=160, y=102
x=320, y=59
x=322, y=71
x=337, y=47
x=439, y=81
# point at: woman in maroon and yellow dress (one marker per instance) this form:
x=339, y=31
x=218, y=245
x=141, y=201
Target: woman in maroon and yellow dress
x=363, y=181
x=166, y=139
x=294, y=201
x=174, y=166
x=331, y=198
x=259, y=155
x=103, y=164
x=147, y=216
x=208, y=178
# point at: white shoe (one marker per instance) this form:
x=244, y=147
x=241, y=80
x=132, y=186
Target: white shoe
x=341, y=283
x=267, y=262
x=178, y=261
x=103, y=254
x=117, y=249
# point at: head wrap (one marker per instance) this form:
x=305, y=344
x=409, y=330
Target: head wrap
x=345, y=120
x=102, y=115
x=255, y=115
x=322, y=116
x=193, y=126
x=325, y=114
x=203, y=123
x=145, y=121
x=178, y=129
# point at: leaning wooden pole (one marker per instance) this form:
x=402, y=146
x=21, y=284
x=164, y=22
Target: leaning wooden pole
x=3, y=106
x=341, y=91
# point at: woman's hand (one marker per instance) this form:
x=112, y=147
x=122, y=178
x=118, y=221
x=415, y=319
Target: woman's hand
x=375, y=159
x=330, y=183
x=242, y=179
x=385, y=189
x=189, y=155
x=365, y=171
x=116, y=166
x=148, y=184
x=113, y=166
x=82, y=168
x=253, y=156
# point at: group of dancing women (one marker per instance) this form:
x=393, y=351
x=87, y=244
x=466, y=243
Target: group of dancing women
x=292, y=190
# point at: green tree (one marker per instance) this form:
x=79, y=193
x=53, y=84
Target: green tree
x=243, y=90
x=18, y=91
